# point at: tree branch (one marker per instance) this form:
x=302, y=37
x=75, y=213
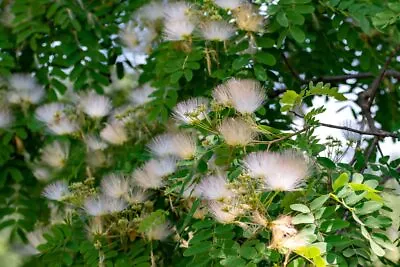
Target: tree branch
x=368, y=153
x=380, y=133
x=366, y=98
x=362, y=75
x=375, y=85
x=338, y=78
x=334, y=79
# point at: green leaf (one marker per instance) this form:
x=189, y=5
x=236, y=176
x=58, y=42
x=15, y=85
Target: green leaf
x=202, y=224
x=265, y=58
x=260, y=73
x=318, y=202
x=303, y=218
x=333, y=225
x=16, y=174
x=155, y=218
x=240, y=62
x=265, y=42
x=198, y=248
x=376, y=248
x=189, y=216
x=357, y=178
x=282, y=19
x=354, y=198
x=67, y=259
x=248, y=252
x=309, y=252
x=297, y=34
x=300, y=208
x=326, y=162
x=342, y=180
x=362, y=187
x=295, y=17
x=289, y=99
x=233, y=261
x=200, y=236
x=304, y=9
x=378, y=222
x=394, y=6
x=188, y=74
x=193, y=65
x=176, y=76
x=319, y=261
x=368, y=207
x=61, y=88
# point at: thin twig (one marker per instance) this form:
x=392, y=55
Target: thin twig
x=368, y=153
x=294, y=73
x=269, y=143
x=288, y=136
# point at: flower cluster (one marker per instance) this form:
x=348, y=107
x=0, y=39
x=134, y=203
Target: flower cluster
x=184, y=21
x=226, y=201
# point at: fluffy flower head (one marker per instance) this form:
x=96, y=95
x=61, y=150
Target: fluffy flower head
x=177, y=25
x=95, y=105
x=50, y=113
x=41, y=173
x=102, y=205
x=176, y=30
x=246, y=95
x=95, y=143
x=141, y=96
x=176, y=11
x=114, y=133
x=191, y=110
x=151, y=12
x=36, y=238
x=56, y=191
x=351, y=136
x=136, y=38
x=24, y=88
x=181, y=145
x=237, y=132
x=162, y=145
x=228, y=4
x=217, y=31
x=161, y=167
x=152, y=173
x=6, y=118
x=147, y=180
x=214, y=187
x=279, y=171
x=224, y=213
x=137, y=195
x=159, y=231
x=56, y=154
x=53, y=114
x=114, y=185
x=248, y=18
x=63, y=126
